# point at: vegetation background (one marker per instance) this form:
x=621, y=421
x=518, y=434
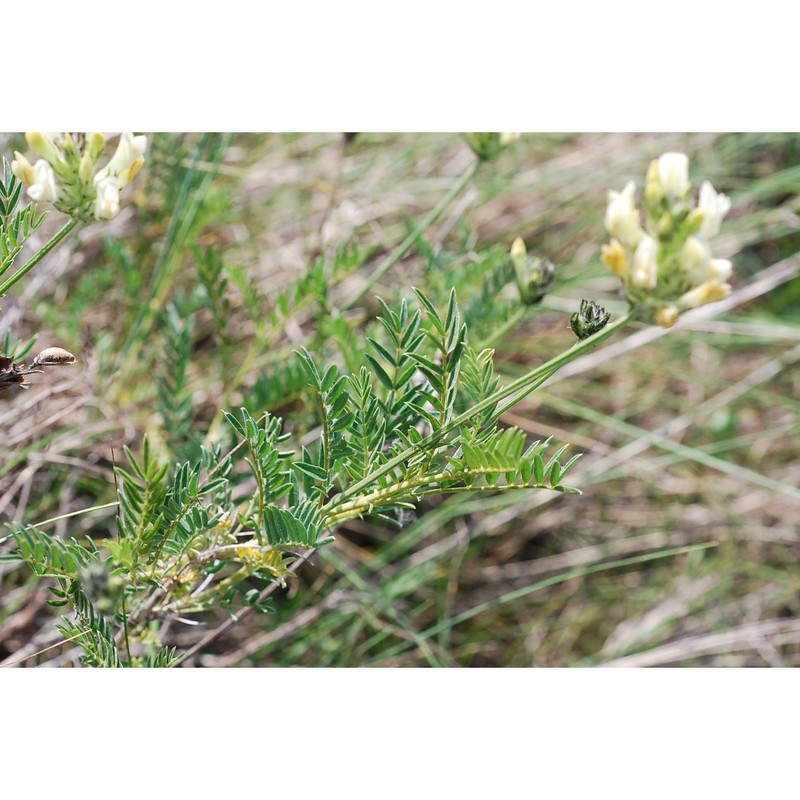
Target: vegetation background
x=689, y=435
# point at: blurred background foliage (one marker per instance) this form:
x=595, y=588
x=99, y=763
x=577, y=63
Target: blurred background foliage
x=238, y=249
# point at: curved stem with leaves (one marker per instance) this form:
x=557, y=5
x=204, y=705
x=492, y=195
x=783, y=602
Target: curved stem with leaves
x=419, y=417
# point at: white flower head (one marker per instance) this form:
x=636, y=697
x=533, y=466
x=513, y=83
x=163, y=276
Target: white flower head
x=44, y=183
x=673, y=173
x=714, y=207
x=622, y=216
x=67, y=173
x=665, y=269
x=644, y=274
x=107, y=203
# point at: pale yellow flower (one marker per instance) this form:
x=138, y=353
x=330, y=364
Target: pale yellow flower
x=714, y=207
x=708, y=292
x=622, y=216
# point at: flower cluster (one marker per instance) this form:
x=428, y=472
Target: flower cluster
x=68, y=174
x=666, y=266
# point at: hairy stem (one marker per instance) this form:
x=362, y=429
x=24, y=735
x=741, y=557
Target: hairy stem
x=418, y=487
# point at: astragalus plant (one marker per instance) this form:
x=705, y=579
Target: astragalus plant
x=417, y=415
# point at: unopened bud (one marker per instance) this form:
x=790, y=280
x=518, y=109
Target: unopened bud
x=589, y=319
x=95, y=144
x=518, y=251
x=485, y=145
x=533, y=275
x=86, y=169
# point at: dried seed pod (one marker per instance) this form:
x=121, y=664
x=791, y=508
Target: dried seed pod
x=53, y=357
x=12, y=374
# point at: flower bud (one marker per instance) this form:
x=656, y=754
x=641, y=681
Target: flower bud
x=86, y=169
x=653, y=190
x=518, y=251
x=533, y=275
x=95, y=144
x=487, y=145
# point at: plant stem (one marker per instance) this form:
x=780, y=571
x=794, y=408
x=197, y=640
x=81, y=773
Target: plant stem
x=35, y=259
x=518, y=389
x=193, y=605
x=421, y=487
x=125, y=624
x=412, y=237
